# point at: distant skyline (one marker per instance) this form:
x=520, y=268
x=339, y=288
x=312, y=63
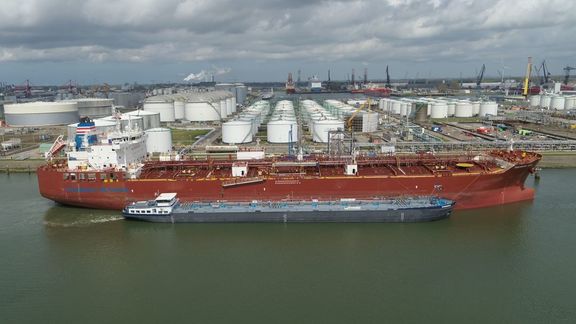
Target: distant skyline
x=149, y=41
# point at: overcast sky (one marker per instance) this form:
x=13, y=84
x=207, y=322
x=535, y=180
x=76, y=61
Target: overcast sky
x=95, y=41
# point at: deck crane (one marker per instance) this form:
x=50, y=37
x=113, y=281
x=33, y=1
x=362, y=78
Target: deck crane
x=567, y=69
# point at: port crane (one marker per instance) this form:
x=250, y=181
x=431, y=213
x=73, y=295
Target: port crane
x=387, y=78
x=567, y=69
x=545, y=79
x=527, y=78
x=361, y=107
x=480, y=77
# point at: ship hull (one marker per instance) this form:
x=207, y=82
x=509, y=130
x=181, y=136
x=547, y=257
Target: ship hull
x=409, y=215
x=468, y=190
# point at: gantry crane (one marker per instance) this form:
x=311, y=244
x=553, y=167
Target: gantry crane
x=567, y=69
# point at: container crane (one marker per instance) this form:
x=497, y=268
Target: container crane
x=567, y=69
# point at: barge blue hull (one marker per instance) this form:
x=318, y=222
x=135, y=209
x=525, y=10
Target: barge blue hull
x=404, y=215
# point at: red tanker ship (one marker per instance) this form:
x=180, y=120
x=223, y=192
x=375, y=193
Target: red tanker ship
x=108, y=172
x=473, y=181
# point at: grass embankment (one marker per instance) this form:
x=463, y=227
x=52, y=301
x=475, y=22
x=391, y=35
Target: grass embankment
x=187, y=137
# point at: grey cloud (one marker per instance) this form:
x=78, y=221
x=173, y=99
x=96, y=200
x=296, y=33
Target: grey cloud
x=279, y=30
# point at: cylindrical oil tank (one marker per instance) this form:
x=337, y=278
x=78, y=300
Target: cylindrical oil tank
x=535, y=101
x=475, y=108
x=403, y=109
x=557, y=102
x=439, y=110
x=179, y=109
x=163, y=106
x=102, y=127
x=322, y=127
x=396, y=107
x=451, y=108
x=202, y=111
x=488, y=108
x=282, y=131
x=229, y=107
x=570, y=102
x=127, y=121
x=237, y=132
x=150, y=119
x=241, y=93
x=421, y=110
x=545, y=101
x=464, y=109
x=223, y=110
x=158, y=140
x=41, y=113
x=94, y=107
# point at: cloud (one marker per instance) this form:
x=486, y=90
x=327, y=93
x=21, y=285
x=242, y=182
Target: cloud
x=210, y=31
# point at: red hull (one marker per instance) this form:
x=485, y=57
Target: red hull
x=472, y=188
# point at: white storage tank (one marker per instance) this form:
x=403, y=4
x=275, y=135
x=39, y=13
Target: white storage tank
x=158, y=140
x=241, y=93
x=164, y=106
x=223, y=110
x=535, y=101
x=570, y=102
x=127, y=121
x=464, y=109
x=102, y=127
x=237, y=132
x=94, y=107
x=282, y=131
x=320, y=129
x=179, y=109
x=439, y=110
x=229, y=106
x=488, y=108
x=396, y=107
x=202, y=110
x=41, y=113
x=150, y=119
x=557, y=102
x=545, y=101
x=475, y=108
x=451, y=108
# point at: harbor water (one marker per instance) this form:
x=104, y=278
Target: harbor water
x=508, y=264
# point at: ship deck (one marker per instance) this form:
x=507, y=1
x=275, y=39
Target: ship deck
x=392, y=166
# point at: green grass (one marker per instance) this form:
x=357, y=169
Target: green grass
x=187, y=137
